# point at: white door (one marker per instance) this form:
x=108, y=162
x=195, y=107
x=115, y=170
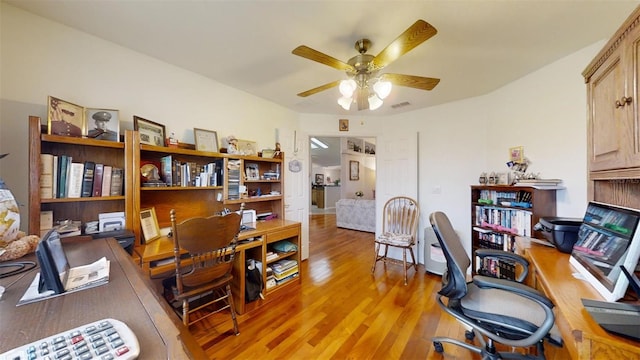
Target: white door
x=396, y=174
x=296, y=192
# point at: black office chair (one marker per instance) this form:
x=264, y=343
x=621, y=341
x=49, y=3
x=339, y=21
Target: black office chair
x=503, y=311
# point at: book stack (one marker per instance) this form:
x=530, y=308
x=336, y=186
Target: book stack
x=271, y=255
x=284, y=270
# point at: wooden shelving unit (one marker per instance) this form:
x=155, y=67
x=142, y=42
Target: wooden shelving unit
x=499, y=213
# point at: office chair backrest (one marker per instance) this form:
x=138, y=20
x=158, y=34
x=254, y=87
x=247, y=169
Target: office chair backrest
x=210, y=242
x=400, y=216
x=454, y=280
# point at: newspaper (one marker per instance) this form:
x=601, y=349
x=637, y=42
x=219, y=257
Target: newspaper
x=94, y=274
x=80, y=278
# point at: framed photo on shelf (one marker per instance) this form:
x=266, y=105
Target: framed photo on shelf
x=319, y=179
x=65, y=118
x=151, y=133
x=149, y=225
x=516, y=154
x=354, y=170
x=252, y=172
x=103, y=124
x=246, y=147
x=206, y=140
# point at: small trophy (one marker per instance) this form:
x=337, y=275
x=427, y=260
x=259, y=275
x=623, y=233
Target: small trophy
x=151, y=175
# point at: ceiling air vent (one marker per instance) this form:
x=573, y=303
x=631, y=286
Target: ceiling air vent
x=399, y=105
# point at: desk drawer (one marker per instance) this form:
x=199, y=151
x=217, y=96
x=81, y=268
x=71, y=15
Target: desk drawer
x=283, y=234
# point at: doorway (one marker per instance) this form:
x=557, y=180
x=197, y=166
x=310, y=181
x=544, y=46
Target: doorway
x=341, y=168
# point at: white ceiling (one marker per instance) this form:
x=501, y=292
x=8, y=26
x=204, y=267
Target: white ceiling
x=480, y=45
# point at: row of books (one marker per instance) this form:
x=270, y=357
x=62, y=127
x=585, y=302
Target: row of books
x=499, y=197
x=513, y=221
x=494, y=267
x=177, y=173
x=488, y=239
x=60, y=177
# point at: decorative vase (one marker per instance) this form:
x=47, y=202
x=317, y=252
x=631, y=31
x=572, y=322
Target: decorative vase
x=9, y=214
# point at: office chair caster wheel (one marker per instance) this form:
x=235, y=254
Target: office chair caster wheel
x=437, y=345
x=469, y=335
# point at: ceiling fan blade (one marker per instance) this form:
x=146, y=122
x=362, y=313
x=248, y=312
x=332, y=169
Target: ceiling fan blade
x=415, y=35
x=417, y=82
x=319, y=88
x=362, y=98
x=308, y=53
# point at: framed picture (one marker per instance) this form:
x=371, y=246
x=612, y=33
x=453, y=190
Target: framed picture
x=252, y=171
x=516, y=154
x=149, y=225
x=354, y=170
x=151, y=133
x=103, y=124
x=246, y=147
x=206, y=140
x=319, y=179
x=65, y=118
x=343, y=124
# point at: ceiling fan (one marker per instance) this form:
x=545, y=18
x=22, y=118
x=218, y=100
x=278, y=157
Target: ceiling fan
x=365, y=84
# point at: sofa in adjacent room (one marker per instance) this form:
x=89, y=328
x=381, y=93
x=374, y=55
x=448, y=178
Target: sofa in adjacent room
x=356, y=214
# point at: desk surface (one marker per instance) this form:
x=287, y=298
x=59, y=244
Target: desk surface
x=584, y=338
x=127, y=297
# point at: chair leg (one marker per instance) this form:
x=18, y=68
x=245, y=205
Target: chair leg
x=185, y=312
x=415, y=264
x=375, y=257
x=233, y=310
x=404, y=265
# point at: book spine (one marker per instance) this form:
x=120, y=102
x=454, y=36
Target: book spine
x=165, y=169
x=87, y=179
x=106, y=181
x=46, y=176
x=116, y=181
x=55, y=176
x=62, y=175
x=75, y=180
x=66, y=186
x=97, y=180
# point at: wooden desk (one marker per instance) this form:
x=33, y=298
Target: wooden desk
x=127, y=297
x=265, y=233
x=583, y=337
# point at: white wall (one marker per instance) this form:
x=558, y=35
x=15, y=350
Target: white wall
x=40, y=58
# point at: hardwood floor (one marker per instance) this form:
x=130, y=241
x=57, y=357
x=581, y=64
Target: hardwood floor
x=341, y=310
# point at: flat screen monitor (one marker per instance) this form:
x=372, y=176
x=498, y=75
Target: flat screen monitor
x=54, y=267
x=607, y=239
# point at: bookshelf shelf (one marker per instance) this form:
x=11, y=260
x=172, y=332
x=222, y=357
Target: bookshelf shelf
x=181, y=188
x=82, y=199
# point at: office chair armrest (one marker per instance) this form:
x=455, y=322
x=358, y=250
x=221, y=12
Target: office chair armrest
x=506, y=255
x=518, y=288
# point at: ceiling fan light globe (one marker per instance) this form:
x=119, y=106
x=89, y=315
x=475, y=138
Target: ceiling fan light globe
x=382, y=89
x=347, y=87
x=374, y=102
x=345, y=102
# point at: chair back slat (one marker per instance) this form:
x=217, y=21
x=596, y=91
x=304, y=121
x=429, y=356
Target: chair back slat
x=400, y=216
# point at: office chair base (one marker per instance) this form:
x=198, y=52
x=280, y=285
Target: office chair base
x=483, y=351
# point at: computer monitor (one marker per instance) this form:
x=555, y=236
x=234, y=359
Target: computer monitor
x=54, y=267
x=607, y=239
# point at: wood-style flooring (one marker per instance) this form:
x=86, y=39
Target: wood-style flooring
x=341, y=310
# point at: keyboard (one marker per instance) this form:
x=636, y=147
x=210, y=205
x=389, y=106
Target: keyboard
x=106, y=339
x=617, y=318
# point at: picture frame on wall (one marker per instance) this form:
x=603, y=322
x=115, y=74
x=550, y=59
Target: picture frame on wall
x=206, y=140
x=516, y=154
x=64, y=118
x=149, y=225
x=102, y=124
x=343, y=124
x=354, y=170
x=151, y=133
x=319, y=179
